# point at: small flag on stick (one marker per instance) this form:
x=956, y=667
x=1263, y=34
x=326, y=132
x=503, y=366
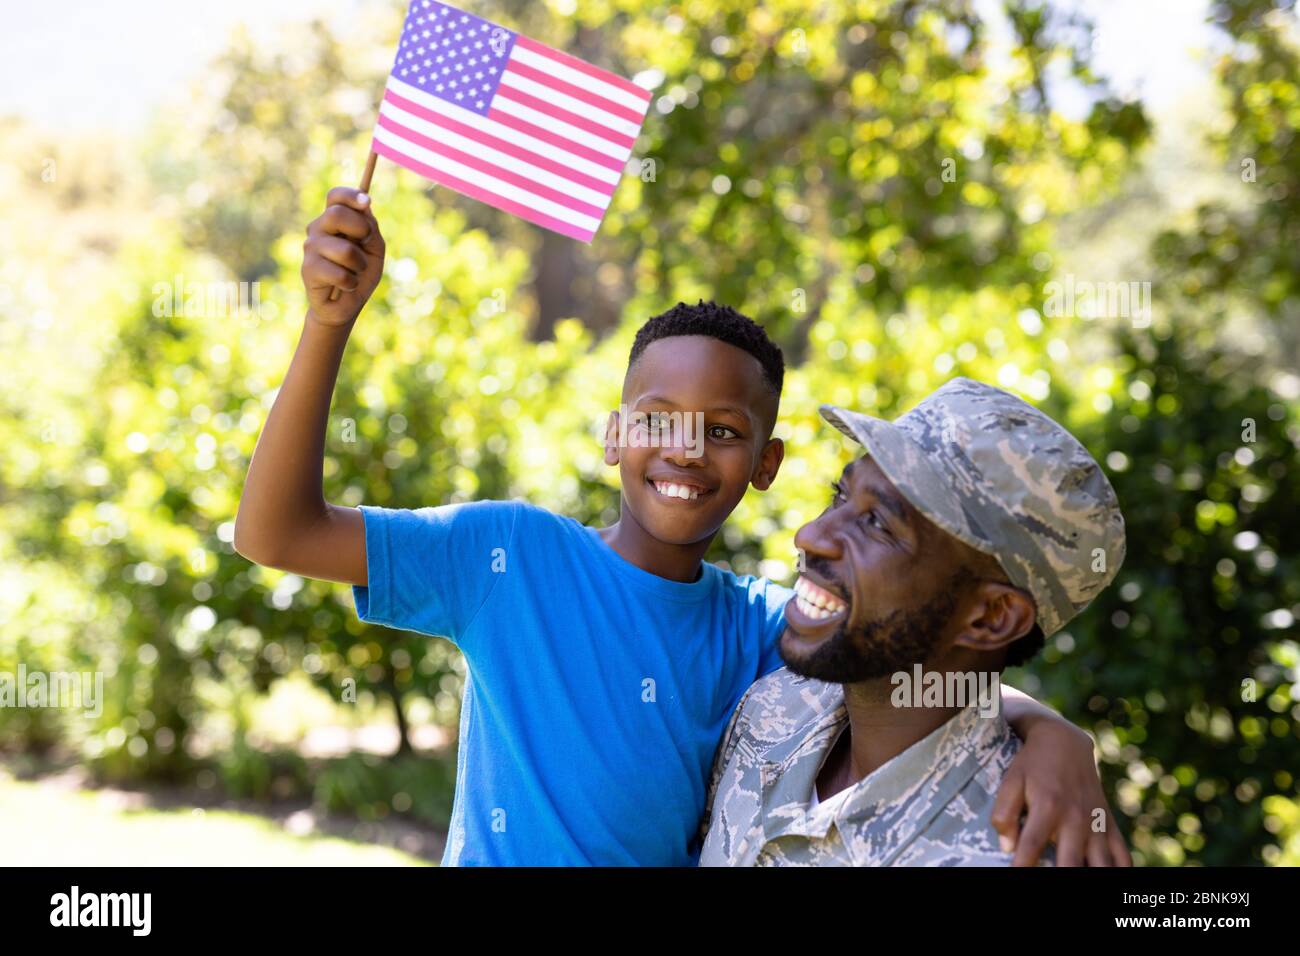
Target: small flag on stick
x=506, y=120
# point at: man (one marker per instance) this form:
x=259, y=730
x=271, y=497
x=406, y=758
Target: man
x=973, y=527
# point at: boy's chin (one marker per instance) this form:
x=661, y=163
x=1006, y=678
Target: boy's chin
x=677, y=533
x=679, y=530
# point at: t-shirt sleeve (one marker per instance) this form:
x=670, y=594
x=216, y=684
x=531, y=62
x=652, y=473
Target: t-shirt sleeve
x=430, y=570
x=775, y=599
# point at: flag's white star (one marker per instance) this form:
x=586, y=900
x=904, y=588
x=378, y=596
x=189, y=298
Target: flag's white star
x=479, y=104
x=460, y=96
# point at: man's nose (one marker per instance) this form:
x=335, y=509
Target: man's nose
x=819, y=537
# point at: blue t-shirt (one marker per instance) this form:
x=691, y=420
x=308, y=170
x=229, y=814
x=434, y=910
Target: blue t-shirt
x=597, y=692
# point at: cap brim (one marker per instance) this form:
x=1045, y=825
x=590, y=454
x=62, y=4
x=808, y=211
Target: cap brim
x=909, y=467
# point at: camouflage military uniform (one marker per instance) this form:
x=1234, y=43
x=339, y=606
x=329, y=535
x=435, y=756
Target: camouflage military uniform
x=998, y=474
x=929, y=806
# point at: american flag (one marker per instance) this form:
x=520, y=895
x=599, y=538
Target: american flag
x=507, y=120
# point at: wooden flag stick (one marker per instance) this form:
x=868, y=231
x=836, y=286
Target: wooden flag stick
x=365, y=188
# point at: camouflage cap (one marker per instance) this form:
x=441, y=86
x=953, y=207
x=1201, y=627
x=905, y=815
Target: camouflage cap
x=1003, y=477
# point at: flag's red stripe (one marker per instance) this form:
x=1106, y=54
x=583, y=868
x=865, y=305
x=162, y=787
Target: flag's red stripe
x=577, y=92
x=555, y=139
x=483, y=166
x=582, y=66
x=512, y=149
x=483, y=195
x=559, y=113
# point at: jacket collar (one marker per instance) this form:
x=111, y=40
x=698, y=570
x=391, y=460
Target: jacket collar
x=898, y=799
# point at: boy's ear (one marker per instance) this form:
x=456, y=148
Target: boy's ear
x=611, y=439
x=769, y=463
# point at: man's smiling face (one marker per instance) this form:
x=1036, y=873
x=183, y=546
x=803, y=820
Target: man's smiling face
x=881, y=585
x=681, y=492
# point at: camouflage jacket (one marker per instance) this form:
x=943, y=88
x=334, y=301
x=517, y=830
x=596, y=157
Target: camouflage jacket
x=929, y=806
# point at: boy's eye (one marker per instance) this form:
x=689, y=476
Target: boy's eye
x=838, y=497
x=722, y=432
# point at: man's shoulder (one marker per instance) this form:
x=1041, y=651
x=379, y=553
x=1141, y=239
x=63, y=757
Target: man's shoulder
x=778, y=704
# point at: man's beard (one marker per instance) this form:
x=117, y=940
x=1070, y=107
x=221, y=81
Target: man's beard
x=884, y=646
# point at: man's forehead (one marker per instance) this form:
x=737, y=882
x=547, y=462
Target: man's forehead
x=866, y=470
x=866, y=473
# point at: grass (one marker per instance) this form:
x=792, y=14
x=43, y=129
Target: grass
x=45, y=825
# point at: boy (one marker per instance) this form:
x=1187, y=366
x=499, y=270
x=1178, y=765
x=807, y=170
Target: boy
x=603, y=664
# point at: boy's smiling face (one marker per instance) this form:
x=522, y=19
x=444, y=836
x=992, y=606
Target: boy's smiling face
x=686, y=375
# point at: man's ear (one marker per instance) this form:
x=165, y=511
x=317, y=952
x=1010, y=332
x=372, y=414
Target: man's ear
x=996, y=615
x=611, y=439
x=769, y=463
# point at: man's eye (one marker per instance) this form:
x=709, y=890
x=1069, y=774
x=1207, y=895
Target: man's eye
x=838, y=489
x=873, y=520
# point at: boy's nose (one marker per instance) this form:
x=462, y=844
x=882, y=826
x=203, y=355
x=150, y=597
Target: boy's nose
x=681, y=446
x=679, y=454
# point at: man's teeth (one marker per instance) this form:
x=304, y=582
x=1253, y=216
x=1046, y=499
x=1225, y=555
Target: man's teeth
x=674, y=490
x=816, y=602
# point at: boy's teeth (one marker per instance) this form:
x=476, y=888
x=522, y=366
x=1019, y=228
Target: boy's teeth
x=673, y=490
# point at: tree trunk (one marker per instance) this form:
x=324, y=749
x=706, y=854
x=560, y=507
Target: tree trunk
x=403, y=730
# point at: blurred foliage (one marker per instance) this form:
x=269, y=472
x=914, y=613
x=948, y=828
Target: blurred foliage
x=879, y=182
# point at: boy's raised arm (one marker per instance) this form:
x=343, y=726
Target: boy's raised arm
x=284, y=520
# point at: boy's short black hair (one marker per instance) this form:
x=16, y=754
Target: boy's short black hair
x=720, y=322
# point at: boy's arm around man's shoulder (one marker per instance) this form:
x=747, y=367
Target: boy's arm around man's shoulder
x=284, y=520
